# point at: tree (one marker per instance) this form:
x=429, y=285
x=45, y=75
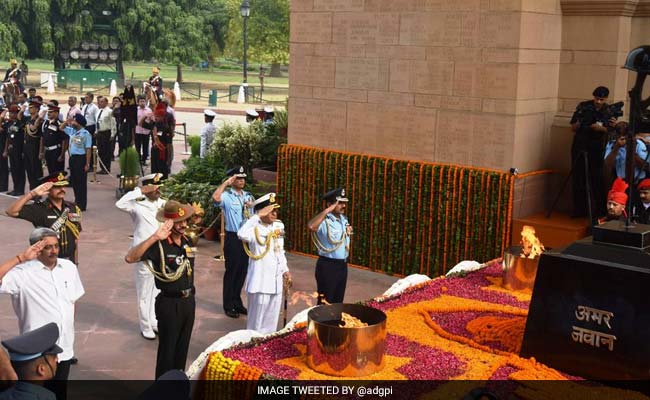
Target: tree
x=12, y=42
x=267, y=30
x=174, y=31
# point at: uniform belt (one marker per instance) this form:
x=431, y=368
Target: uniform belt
x=56, y=146
x=185, y=293
x=332, y=259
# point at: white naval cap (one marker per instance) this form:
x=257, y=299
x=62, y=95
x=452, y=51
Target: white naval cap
x=209, y=113
x=269, y=109
x=252, y=112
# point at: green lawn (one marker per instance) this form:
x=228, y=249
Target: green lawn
x=142, y=71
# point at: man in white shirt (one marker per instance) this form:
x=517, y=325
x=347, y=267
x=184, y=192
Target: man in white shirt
x=207, y=132
x=44, y=289
x=106, y=129
x=143, y=204
x=90, y=112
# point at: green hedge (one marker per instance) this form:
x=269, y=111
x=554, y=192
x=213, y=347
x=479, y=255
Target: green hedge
x=408, y=217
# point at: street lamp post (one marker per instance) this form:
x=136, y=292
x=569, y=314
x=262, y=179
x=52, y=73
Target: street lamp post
x=245, y=10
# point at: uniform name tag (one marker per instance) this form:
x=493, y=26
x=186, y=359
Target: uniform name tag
x=51, y=216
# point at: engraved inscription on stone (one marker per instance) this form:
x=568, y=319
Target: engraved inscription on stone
x=430, y=29
x=400, y=76
x=431, y=77
x=493, y=140
x=318, y=122
x=470, y=30
x=497, y=81
x=311, y=28
x=338, y=5
x=464, y=79
x=362, y=73
x=355, y=28
x=500, y=29
x=383, y=130
x=312, y=71
x=340, y=94
x=388, y=28
x=453, y=136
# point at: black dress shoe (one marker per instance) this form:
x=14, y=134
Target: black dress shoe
x=232, y=313
x=12, y=193
x=242, y=310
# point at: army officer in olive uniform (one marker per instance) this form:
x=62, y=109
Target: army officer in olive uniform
x=54, y=212
x=170, y=258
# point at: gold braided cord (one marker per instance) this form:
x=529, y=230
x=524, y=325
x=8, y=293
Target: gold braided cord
x=163, y=276
x=337, y=243
x=73, y=228
x=321, y=247
x=32, y=132
x=63, y=238
x=266, y=243
x=331, y=239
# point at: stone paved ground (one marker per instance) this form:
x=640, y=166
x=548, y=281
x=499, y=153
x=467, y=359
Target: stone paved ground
x=108, y=342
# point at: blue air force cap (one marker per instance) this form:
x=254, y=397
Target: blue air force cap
x=81, y=120
x=335, y=195
x=33, y=344
x=237, y=171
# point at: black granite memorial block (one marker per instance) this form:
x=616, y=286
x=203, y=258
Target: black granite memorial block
x=590, y=312
x=614, y=232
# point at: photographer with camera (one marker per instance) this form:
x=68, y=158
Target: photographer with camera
x=590, y=123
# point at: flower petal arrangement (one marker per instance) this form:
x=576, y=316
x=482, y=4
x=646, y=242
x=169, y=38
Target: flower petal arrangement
x=442, y=330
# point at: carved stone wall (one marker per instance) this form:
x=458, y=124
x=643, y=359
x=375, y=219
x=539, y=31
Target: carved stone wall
x=487, y=83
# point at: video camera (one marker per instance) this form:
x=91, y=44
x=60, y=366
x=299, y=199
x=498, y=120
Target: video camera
x=615, y=110
x=588, y=115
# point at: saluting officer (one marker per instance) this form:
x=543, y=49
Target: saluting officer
x=54, y=142
x=143, y=204
x=263, y=237
x=170, y=257
x=236, y=205
x=81, y=143
x=13, y=129
x=331, y=235
x=54, y=212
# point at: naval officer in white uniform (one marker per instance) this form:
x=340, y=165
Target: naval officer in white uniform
x=143, y=204
x=263, y=237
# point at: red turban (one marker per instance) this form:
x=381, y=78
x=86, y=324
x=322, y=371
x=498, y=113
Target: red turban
x=617, y=193
x=161, y=110
x=644, y=184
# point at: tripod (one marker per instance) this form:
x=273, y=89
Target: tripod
x=581, y=155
